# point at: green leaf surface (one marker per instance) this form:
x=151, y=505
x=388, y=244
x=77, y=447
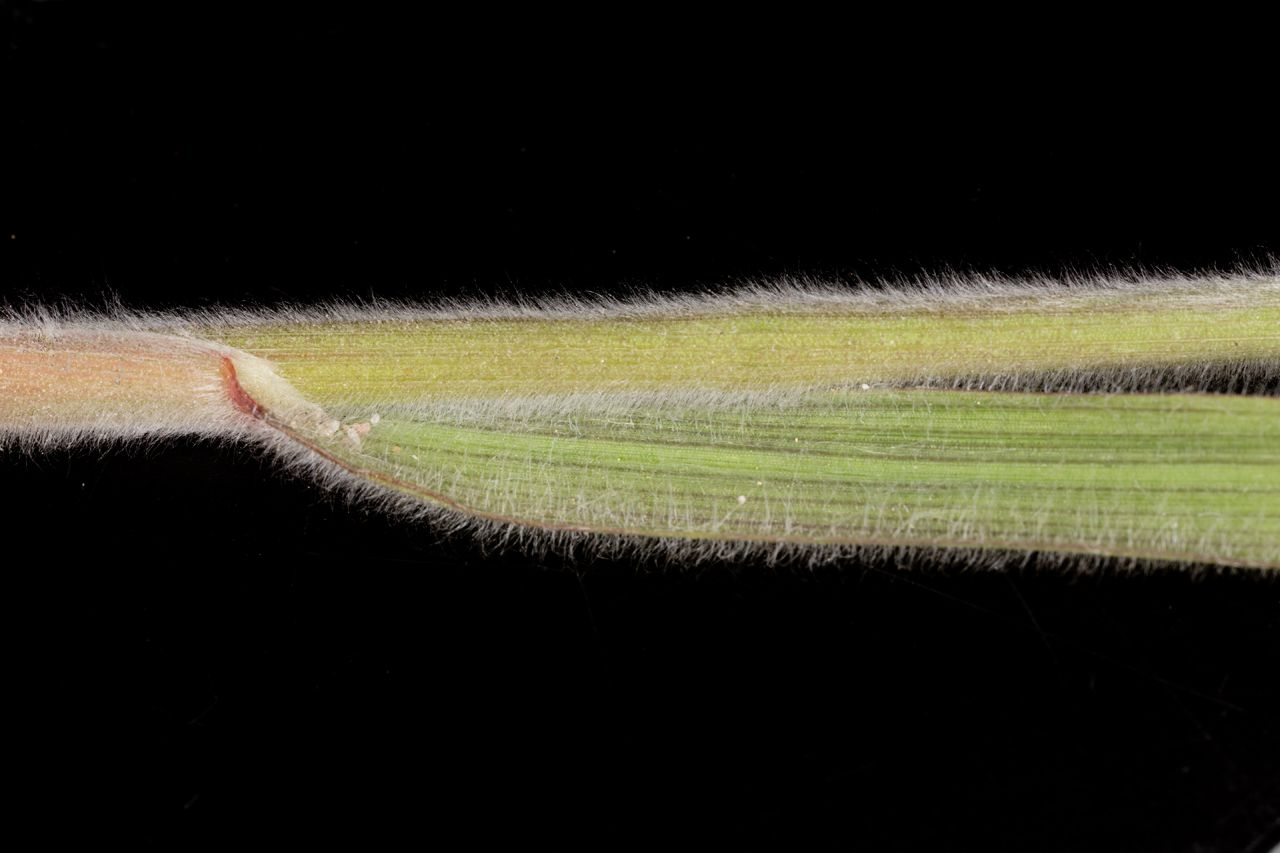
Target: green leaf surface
x=799, y=422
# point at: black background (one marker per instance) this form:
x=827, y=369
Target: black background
x=205, y=649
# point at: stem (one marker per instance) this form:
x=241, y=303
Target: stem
x=69, y=384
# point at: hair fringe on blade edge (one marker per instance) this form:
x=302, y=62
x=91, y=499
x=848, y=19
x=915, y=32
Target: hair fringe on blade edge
x=947, y=291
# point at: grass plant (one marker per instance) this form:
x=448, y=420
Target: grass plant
x=1132, y=418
